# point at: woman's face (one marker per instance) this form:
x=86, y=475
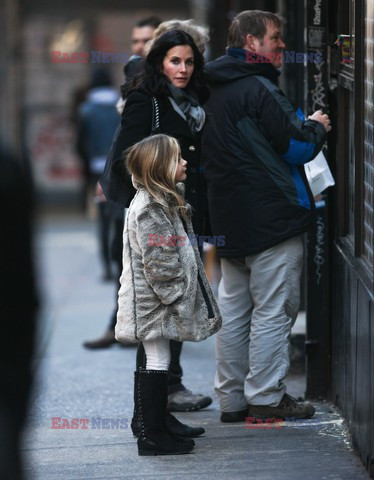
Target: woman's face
x=178, y=65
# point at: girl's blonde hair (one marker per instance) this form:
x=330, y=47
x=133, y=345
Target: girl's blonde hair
x=153, y=163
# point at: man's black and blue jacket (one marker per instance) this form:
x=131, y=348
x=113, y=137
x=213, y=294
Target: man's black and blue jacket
x=254, y=148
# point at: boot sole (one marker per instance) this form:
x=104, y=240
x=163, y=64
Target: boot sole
x=193, y=435
x=152, y=453
x=183, y=436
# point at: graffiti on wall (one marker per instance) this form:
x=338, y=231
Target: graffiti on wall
x=316, y=44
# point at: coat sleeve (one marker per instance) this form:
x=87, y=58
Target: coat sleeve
x=162, y=267
x=136, y=124
x=296, y=140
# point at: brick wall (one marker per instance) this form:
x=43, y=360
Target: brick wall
x=369, y=138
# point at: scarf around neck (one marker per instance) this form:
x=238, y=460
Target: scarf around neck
x=187, y=106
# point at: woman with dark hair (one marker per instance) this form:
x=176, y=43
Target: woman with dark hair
x=154, y=80
x=170, y=89
x=172, y=73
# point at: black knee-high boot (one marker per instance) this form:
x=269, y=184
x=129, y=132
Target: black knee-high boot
x=140, y=363
x=178, y=431
x=172, y=423
x=152, y=400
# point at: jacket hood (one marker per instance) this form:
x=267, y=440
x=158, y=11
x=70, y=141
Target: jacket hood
x=234, y=65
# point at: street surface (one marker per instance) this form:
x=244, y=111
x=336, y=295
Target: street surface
x=95, y=387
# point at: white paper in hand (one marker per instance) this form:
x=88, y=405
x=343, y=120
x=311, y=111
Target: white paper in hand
x=318, y=174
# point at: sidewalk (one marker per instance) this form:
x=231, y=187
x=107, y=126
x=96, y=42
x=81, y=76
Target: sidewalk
x=77, y=383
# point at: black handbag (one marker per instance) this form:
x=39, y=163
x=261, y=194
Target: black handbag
x=118, y=189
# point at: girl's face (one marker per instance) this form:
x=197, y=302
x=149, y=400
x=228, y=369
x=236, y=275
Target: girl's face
x=178, y=65
x=181, y=173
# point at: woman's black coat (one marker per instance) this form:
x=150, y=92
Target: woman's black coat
x=136, y=124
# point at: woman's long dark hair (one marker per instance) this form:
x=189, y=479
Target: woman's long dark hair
x=152, y=80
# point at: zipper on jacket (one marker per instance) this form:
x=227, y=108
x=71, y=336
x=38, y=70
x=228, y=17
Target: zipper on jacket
x=206, y=297
x=203, y=291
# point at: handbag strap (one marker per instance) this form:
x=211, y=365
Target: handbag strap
x=155, y=115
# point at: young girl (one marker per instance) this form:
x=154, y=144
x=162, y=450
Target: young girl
x=164, y=292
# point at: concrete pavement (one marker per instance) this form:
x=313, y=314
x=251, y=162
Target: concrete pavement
x=95, y=387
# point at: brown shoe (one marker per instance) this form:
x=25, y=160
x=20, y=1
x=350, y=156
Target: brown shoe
x=288, y=408
x=105, y=341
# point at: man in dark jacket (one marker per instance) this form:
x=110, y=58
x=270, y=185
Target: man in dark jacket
x=254, y=148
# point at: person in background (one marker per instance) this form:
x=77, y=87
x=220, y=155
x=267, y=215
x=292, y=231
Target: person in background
x=79, y=96
x=254, y=148
x=199, y=33
x=98, y=121
x=141, y=34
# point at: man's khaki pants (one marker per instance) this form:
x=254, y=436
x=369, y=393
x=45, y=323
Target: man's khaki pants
x=259, y=299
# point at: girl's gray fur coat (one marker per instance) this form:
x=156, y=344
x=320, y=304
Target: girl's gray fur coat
x=164, y=291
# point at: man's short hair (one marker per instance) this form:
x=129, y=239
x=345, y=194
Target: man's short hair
x=252, y=22
x=148, y=22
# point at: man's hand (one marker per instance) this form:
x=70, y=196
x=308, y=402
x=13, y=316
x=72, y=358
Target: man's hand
x=321, y=117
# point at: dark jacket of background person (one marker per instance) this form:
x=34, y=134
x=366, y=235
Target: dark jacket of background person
x=18, y=307
x=136, y=124
x=254, y=148
x=98, y=120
